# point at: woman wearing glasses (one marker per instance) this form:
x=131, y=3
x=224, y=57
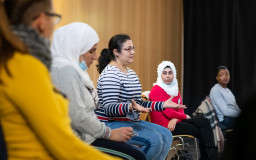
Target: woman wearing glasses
x=34, y=115
x=69, y=74
x=119, y=92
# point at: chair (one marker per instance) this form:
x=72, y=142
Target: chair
x=207, y=110
x=178, y=140
x=145, y=116
x=3, y=151
x=183, y=142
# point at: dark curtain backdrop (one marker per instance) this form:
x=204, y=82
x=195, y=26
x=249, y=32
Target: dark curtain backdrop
x=219, y=32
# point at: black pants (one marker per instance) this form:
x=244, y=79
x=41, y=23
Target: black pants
x=201, y=129
x=118, y=149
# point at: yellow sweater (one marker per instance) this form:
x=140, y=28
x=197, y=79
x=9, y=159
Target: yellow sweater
x=35, y=118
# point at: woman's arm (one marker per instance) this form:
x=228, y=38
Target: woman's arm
x=158, y=94
x=81, y=110
x=217, y=98
x=154, y=105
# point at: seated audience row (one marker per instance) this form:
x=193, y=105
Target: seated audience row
x=73, y=120
x=42, y=118
x=69, y=75
x=120, y=101
x=176, y=120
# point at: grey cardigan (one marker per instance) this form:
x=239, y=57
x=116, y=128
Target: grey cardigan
x=84, y=121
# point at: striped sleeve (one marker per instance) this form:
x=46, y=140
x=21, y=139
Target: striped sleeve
x=154, y=105
x=109, y=92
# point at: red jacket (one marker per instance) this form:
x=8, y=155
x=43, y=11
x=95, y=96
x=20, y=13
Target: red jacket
x=163, y=117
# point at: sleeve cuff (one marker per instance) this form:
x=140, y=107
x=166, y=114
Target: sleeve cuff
x=107, y=133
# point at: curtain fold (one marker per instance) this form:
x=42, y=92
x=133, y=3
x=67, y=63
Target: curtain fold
x=218, y=32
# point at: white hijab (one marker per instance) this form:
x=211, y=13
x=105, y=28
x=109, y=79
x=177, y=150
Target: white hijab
x=171, y=89
x=69, y=43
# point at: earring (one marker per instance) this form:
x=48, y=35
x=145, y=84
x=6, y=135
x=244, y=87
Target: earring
x=116, y=56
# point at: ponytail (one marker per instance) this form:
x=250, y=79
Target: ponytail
x=107, y=55
x=104, y=59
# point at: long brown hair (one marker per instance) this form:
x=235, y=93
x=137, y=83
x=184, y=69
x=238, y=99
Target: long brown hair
x=15, y=12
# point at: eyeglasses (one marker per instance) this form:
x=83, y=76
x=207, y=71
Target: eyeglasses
x=129, y=49
x=57, y=17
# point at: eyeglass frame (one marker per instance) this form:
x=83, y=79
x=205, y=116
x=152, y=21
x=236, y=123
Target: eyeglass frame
x=51, y=15
x=129, y=49
x=54, y=15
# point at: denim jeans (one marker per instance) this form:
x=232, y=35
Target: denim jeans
x=229, y=122
x=154, y=140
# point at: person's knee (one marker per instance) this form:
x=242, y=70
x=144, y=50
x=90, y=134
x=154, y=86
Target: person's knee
x=155, y=137
x=142, y=142
x=166, y=134
x=205, y=121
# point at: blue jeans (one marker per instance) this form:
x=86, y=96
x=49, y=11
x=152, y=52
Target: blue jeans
x=229, y=122
x=154, y=140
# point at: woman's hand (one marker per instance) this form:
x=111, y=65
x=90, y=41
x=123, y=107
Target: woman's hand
x=188, y=117
x=122, y=134
x=172, y=124
x=138, y=107
x=170, y=104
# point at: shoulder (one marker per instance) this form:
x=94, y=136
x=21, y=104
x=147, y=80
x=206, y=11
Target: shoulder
x=216, y=91
x=20, y=60
x=110, y=72
x=130, y=71
x=132, y=74
x=65, y=75
x=156, y=89
x=215, y=88
x=25, y=65
x=66, y=71
x=26, y=70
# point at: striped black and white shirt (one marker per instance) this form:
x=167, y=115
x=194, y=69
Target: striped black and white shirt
x=116, y=90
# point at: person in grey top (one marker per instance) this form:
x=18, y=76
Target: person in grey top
x=73, y=51
x=223, y=99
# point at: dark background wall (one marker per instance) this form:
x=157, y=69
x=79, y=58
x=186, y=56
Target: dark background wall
x=218, y=32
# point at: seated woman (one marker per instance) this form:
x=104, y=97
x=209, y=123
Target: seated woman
x=175, y=119
x=33, y=114
x=223, y=99
x=74, y=49
x=119, y=92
